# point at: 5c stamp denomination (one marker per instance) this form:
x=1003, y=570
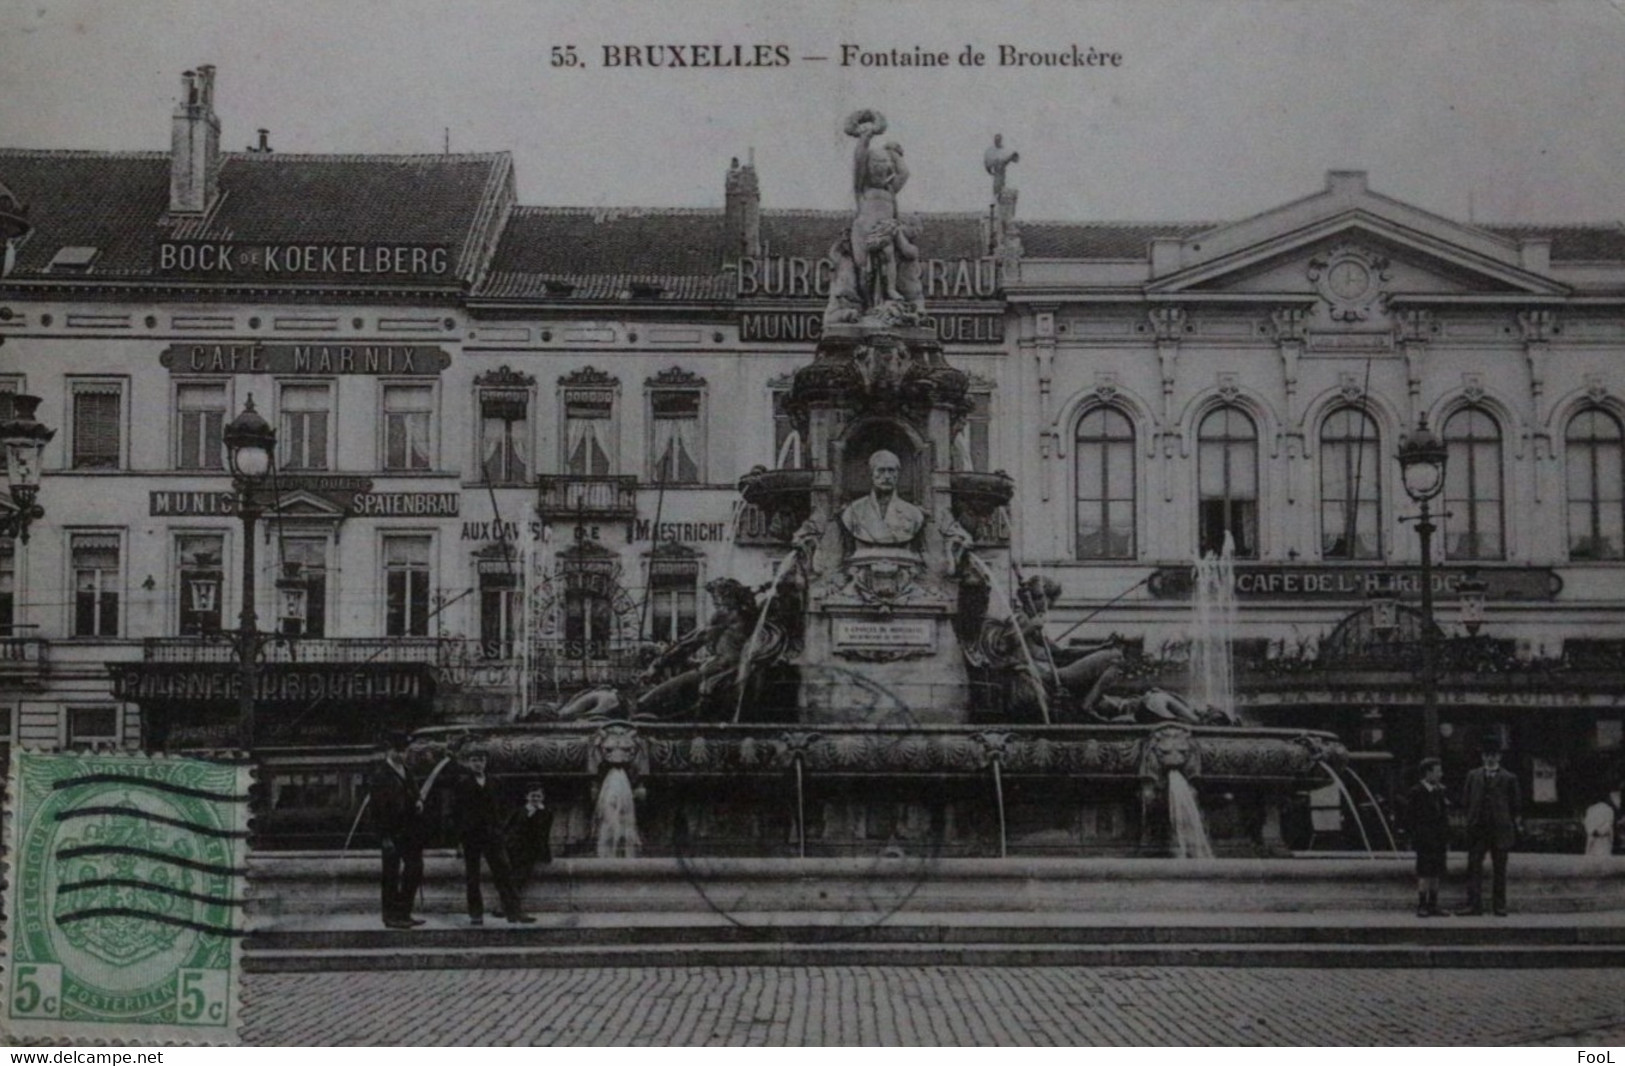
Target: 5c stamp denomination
x=125, y=909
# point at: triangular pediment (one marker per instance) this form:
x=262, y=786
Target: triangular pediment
x=1347, y=239
x=299, y=505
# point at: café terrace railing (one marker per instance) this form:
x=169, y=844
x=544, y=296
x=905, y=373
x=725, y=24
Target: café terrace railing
x=277, y=649
x=563, y=666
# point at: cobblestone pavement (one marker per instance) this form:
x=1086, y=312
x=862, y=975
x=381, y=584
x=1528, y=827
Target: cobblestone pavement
x=763, y=1005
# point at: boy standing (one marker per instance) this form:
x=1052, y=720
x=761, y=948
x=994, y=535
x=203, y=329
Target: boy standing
x=1428, y=813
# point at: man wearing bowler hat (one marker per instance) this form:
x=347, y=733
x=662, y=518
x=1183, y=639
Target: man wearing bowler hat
x=397, y=812
x=1493, y=802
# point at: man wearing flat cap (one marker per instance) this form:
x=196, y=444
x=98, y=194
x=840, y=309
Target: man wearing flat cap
x=477, y=814
x=1494, y=804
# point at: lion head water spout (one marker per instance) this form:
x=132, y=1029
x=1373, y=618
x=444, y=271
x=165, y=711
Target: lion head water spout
x=1213, y=628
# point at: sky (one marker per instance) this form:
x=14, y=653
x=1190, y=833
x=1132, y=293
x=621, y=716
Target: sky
x=1498, y=111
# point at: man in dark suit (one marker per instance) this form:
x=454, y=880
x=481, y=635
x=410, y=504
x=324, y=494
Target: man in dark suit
x=1429, y=821
x=397, y=813
x=1494, y=804
x=477, y=815
x=530, y=833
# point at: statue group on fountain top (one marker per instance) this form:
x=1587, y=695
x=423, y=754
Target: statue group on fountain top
x=877, y=279
x=1076, y=680
x=699, y=675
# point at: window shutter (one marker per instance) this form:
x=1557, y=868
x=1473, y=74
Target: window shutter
x=96, y=427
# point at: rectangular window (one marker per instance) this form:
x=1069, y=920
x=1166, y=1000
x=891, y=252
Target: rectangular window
x=504, y=436
x=96, y=582
x=499, y=609
x=200, y=416
x=407, y=413
x=302, y=587
x=588, y=416
x=8, y=587
x=304, y=430
x=98, y=408
x=673, y=597
x=677, y=448
x=93, y=725
x=200, y=580
x=406, y=586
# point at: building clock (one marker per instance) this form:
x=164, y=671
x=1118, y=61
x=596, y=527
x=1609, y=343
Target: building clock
x=1349, y=278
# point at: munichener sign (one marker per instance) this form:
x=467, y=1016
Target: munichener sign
x=799, y=326
x=224, y=259
x=251, y=358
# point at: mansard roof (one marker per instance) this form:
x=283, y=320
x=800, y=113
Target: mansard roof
x=117, y=203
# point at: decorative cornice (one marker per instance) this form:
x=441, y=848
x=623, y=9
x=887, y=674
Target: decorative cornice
x=505, y=377
x=675, y=377
x=589, y=376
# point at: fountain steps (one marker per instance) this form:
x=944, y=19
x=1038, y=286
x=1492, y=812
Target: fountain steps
x=792, y=940
x=316, y=911
x=307, y=885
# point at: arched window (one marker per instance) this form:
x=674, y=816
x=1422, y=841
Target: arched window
x=1105, y=500
x=1472, y=486
x=1595, y=460
x=1227, y=476
x=1350, y=486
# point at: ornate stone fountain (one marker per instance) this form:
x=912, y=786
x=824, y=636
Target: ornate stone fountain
x=892, y=689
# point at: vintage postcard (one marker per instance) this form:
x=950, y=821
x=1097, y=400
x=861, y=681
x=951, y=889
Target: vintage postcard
x=915, y=522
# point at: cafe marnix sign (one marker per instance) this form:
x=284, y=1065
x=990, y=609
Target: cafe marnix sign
x=405, y=360
x=1358, y=582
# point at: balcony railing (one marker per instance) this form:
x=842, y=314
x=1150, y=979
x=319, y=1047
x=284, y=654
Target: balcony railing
x=566, y=496
x=23, y=657
x=350, y=650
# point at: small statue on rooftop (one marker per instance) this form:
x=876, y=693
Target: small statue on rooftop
x=997, y=159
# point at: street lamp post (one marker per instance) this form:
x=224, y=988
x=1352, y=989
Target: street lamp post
x=1422, y=458
x=250, y=441
x=24, y=439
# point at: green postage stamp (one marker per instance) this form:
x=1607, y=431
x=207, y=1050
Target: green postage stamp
x=124, y=909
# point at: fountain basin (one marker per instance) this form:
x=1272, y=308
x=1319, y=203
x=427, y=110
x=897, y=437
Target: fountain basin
x=838, y=789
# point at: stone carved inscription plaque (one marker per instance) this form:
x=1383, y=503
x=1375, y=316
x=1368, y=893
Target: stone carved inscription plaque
x=887, y=632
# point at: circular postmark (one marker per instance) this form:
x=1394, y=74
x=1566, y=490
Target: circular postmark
x=878, y=850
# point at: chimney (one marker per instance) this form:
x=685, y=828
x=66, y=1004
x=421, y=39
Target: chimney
x=742, y=209
x=194, y=153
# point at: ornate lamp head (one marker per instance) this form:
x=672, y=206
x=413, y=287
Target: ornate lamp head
x=1422, y=458
x=24, y=439
x=249, y=444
